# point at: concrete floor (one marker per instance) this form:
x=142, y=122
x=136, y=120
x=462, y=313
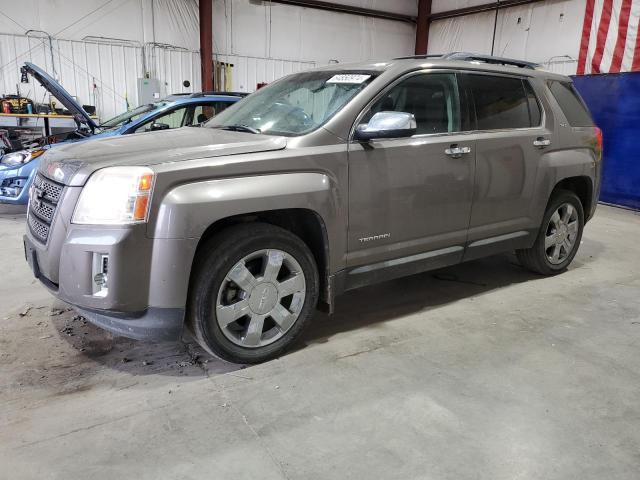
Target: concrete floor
x=481, y=371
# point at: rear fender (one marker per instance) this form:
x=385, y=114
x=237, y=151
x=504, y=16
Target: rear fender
x=557, y=166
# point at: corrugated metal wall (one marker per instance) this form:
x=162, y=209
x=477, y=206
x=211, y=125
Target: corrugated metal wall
x=97, y=74
x=104, y=73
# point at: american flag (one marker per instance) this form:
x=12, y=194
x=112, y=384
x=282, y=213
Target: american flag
x=610, y=40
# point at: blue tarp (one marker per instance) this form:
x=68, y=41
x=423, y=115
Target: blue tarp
x=614, y=101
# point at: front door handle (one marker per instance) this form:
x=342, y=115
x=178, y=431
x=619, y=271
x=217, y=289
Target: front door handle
x=454, y=151
x=541, y=142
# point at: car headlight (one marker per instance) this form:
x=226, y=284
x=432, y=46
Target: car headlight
x=20, y=158
x=115, y=196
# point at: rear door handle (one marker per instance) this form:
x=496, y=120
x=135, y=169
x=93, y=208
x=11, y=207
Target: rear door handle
x=454, y=151
x=541, y=142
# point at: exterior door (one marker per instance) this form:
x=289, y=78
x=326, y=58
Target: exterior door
x=410, y=201
x=508, y=152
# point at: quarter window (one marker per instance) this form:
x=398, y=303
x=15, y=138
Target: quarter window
x=501, y=102
x=431, y=98
x=571, y=104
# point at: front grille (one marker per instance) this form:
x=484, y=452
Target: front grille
x=44, y=210
x=51, y=190
x=39, y=229
x=43, y=202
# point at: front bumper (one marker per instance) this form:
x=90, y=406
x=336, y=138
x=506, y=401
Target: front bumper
x=130, y=308
x=15, y=183
x=154, y=324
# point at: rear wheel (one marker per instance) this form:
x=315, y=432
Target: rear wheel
x=559, y=236
x=255, y=288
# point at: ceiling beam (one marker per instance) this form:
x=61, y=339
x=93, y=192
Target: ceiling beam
x=485, y=7
x=337, y=7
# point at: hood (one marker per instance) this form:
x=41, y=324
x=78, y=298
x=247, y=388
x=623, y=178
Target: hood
x=61, y=94
x=73, y=163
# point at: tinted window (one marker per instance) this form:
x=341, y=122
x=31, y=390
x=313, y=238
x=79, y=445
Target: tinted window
x=431, y=98
x=500, y=102
x=571, y=103
x=534, y=107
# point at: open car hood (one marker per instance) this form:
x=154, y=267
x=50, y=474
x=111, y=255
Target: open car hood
x=53, y=87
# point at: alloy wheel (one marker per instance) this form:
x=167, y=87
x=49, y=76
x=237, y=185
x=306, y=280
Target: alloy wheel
x=561, y=234
x=260, y=298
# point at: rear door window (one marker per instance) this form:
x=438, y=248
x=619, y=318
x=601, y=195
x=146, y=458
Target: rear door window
x=571, y=104
x=500, y=102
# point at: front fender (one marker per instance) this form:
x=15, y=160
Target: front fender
x=188, y=210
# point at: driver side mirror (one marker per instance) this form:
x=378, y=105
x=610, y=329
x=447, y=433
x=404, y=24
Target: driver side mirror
x=158, y=126
x=387, y=125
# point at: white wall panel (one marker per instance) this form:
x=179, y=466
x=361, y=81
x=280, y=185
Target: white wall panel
x=445, y=5
x=249, y=71
x=547, y=33
x=471, y=33
x=304, y=34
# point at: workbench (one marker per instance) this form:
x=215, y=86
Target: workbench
x=45, y=121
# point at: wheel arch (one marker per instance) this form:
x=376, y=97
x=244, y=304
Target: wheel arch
x=582, y=186
x=305, y=223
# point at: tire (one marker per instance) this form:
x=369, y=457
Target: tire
x=262, y=329
x=541, y=260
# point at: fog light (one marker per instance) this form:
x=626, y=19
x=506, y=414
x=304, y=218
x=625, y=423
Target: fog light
x=99, y=273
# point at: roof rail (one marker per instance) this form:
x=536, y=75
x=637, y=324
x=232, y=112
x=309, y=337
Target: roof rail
x=233, y=94
x=474, y=57
x=418, y=57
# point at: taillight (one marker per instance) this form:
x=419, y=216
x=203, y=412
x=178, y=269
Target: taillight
x=599, y=141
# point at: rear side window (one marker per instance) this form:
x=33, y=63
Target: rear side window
x=501, y=102
x=571, y=104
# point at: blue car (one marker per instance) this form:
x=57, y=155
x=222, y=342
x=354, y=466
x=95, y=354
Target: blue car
x=17, y=169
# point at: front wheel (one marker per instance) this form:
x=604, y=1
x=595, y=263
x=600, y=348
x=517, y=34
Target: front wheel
x=559, y=236
x=254, y=289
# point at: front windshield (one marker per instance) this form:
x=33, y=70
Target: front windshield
x=295, y=105
x=131, y=115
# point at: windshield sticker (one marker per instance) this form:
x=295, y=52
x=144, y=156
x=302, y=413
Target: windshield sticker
x=349, y=78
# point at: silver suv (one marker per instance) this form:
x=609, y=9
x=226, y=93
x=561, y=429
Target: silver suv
x=322, y=182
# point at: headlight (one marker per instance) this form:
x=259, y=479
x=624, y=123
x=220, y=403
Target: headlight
x=20, y=158
x=115, y=196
